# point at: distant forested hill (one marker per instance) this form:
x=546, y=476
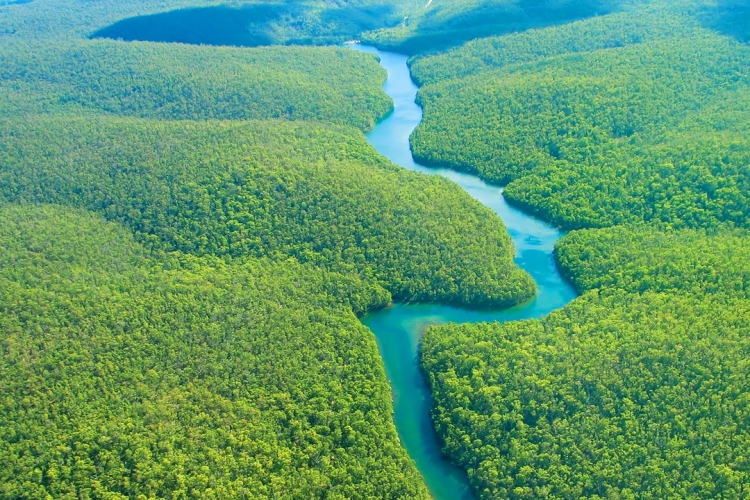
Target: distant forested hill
x=246, y=23
x=595, y=126
x=261, y=23
x=615, y=30
x=442, y=24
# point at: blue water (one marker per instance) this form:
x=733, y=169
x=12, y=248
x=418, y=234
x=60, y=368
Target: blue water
x=399, y=329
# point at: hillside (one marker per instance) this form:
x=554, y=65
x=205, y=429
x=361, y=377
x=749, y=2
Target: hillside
x=640, y=259
x=319, y=194
x=596, y=134
x=258, y=24
x=440, y=25
x=179, y=82
x=247, y=23
x=129, y=377
x=637, y=389
x=616, y=396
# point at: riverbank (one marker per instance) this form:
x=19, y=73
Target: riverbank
x=399, y=328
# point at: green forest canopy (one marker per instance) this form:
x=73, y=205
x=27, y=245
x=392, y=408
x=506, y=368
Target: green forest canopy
x=640, y=259
x=637, y=389
x=618, y=395
x=181, y=350
x=126, y=376
x=212, y=322
x=592, y=134
x=179, y=82
x=636, y=122
x=319, y=194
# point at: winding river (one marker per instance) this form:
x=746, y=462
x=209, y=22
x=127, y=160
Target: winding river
x=398, y=329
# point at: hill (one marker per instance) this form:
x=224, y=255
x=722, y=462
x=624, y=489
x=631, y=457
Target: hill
x=443, y=24
x=244, y=23
x=189, y=82
x=126, y=376
x=616, y=396
x=637, y=389
x=318, y=193
x=600, y=135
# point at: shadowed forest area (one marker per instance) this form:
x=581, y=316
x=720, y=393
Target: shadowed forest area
x=450, y=23
x=731, y=17
x=255, y=24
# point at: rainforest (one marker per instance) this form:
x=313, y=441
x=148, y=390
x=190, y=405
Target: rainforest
x=499, y=251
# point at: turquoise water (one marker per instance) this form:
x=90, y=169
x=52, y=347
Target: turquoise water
x=398, y=329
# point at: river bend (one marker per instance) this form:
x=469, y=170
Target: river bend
x=398, y=329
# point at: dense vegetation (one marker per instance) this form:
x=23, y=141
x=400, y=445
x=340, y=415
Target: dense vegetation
x=484, y=55
x=594, y=134
x=319, y=194
x=637, y=389
x=635, y=121
x=189, y=82
x=203, y=343
x=616, y=396
x=259, y=24
x=125, y=376
x=253, y=22
x=181, y=323
x=447, y=23
x=642, y=259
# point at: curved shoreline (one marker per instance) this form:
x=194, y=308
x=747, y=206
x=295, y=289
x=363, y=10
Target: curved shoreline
x=398, y=329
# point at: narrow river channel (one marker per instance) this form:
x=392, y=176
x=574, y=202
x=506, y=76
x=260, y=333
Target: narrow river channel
x=398, y=329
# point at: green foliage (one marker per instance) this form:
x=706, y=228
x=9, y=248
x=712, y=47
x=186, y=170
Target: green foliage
x=55, y=19
x=194, y=356
x=204, y=343
x=258, y=24
x=603, y=32
x=637, y=389
x=642, y=259
x=189, y=82
x=616, y=396
x=692, y=179
x=448, y=23
x=278, y=189
x=129, y=377
x=651, y=131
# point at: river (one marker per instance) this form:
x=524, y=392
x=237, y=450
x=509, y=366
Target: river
x=398, y=329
